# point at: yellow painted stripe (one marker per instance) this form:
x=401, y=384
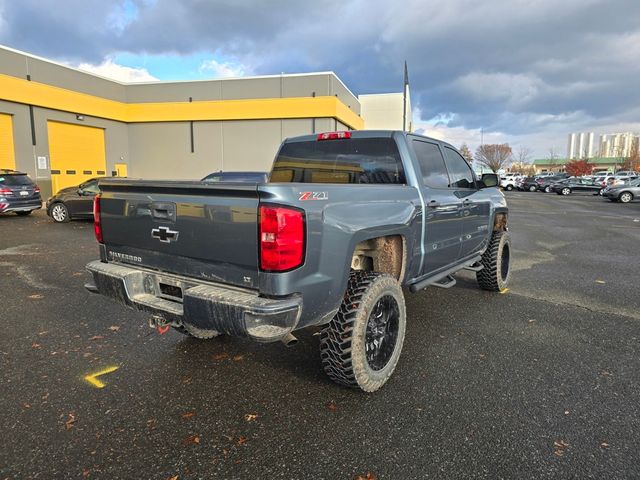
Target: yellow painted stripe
x=22, y=91
x=91, y=378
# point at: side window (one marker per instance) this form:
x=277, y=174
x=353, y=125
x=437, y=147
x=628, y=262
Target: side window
x=434, y=172
x=459, y=170
x=91, y=187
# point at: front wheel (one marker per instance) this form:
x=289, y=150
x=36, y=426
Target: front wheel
x=566, y=191
x=508, y=188
x=59, y=213
x=532, y=188
x=496, y=262
x=547, y=189
x=625, y=197
x=361, y=345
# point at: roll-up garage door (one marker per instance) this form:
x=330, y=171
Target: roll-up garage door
x=77, y=153
x=7, y=155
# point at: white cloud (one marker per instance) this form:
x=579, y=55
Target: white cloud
x=222, y=69
x=109, y=69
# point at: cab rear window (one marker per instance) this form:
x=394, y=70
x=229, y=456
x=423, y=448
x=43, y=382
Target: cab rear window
x=352, y=160
x=15, y=180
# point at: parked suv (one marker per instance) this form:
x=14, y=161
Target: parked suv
x=18, y=193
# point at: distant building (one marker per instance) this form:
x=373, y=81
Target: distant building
x=386, y=111
x=580, y=145
x=610, y=164
x=618, y=144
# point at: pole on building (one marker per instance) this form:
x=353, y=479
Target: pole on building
x=404, y=97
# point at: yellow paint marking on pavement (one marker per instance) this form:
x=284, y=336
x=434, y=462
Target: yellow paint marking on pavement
x=91, y=378
x=503, y=291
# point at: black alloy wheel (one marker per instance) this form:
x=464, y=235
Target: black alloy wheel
x=382, y=332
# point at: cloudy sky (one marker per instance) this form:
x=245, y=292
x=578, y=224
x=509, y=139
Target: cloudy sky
x=526, y=72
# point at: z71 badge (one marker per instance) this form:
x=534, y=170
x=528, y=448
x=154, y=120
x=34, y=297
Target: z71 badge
x=304, y=196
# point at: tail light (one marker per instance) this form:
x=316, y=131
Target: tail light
x=333, y=135
x=6, y=191
x=36, y=189
x=282, y=238
x=97, y=226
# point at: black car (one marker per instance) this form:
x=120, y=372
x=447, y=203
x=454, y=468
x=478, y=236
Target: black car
x=529, y=184
x=260, y=177
x=545, y=183
x=73, y=202
x=576, y=185
x=18, y=193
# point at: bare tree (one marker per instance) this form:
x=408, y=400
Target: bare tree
x=523, y=154
x=466, y=153
x=494, y=156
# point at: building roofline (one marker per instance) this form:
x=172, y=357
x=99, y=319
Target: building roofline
x=165, y=82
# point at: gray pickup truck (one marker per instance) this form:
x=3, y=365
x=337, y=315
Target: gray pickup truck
x=344, y=222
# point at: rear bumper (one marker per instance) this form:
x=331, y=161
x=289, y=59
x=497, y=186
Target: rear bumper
x=204, y=306
x=14, y=205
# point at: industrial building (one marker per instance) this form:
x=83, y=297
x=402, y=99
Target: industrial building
x=63, y=126
x=580, y=145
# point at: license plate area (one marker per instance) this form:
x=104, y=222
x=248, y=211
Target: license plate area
x=24, y=193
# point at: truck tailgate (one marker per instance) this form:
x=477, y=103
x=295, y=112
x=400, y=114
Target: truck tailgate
x=207, y=231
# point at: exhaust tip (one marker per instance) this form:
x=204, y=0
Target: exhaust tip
x=289, y=340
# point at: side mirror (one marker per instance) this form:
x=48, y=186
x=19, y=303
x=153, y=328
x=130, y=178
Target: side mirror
x=80, y=192
x=489, y=180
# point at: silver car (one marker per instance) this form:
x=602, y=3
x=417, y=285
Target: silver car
x=624, y=193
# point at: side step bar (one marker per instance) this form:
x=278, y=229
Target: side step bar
x=444, y=279
x=446, y=282
x=476, y=267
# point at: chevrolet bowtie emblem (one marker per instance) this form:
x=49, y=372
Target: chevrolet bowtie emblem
x=165, y=234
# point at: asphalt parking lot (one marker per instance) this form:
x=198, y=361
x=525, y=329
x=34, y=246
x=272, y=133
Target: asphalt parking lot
x=540, y=382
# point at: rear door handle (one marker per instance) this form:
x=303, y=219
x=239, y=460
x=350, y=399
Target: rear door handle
x=466, y=203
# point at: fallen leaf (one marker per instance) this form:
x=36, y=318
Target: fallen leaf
x=604, y=445
x=560, y=446
x=26, y=405
x=531, y=320
x=238, y=358
x=35, y=345
x=250, y=417
x=70, y=421
x=601, y=281
x=566, y=412
x=36, y=296
x=242, y=440
x=42, y=333
x=187, y=380
x=192, y=440
x=152, y=423
x=366, y=476
x=114, y=328
x=220, y=356
x=187, y=415
x=332, y=406
x=175, y=477
x=96, y=337
x=86, y=472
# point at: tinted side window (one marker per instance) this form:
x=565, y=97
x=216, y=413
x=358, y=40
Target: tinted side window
x=459, y=171
x=353, y=160
x=91, y=187
x=434, y=172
